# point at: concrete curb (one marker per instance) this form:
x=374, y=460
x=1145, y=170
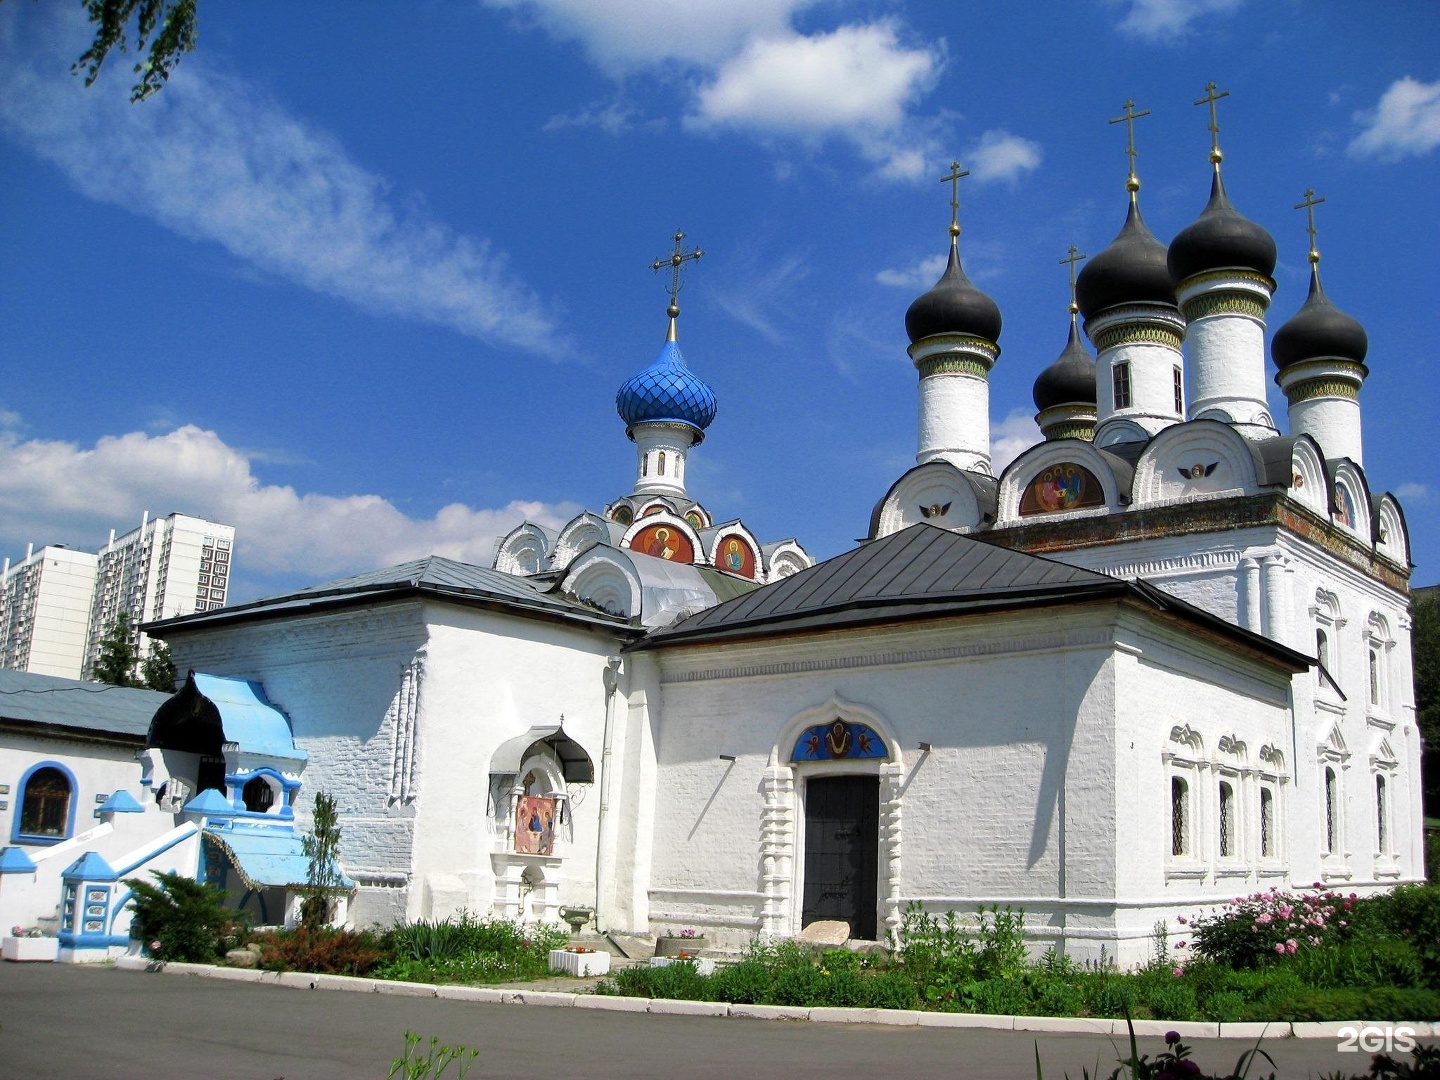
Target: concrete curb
x=516, y=995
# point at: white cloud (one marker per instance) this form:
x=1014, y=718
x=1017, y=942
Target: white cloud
x=1415, y=493
x=611, y=117
x=1011, y=437
x=53, y=492
x=214, y=159
x=621, y=36
x=1406, y=123
x=760, y=294
x=855, y=77
x=1169, y=20
x=921, y=275
x=1002, y=156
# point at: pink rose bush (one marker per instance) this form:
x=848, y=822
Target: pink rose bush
x=1247, y=929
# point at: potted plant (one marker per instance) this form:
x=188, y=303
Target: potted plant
x=680, y=943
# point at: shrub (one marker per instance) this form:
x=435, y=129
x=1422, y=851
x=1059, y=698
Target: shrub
x=188, y=919
x=322, y=950
x=1112, y=996
x=465, y=935
x=745, y=983
x=889, y=990
x=1004, y=997
x=1266, y=926
x=679, y=979
x=798, y=986
x=1412, y=914
x=1173, y=1000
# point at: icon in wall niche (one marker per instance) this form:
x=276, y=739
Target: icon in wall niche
x=1066, y=486
x=535, y=825
x=1344, y=504
x=838, y=741
x=737, y=557
x=663, y=542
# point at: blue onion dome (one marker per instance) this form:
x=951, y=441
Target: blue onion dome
x=1221, y=238
x=667, y=390
x=953, y=306
x=1318, y=330
x=1131, y=270
x=1070, y=380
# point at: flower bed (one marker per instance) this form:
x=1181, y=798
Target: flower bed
x=1373, y=959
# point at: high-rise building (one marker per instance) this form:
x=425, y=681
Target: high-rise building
x=170, y=566
x=45, y=602
x=56, y=604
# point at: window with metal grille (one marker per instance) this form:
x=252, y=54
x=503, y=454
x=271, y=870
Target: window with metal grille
x=1227, y=820
x=1374, y=677
x=1267, y=823
x=1322, y=652
x=1179, y=391
x=1120, y=380
x=258, y=795
x=1381, y=831
x=1332, y=794
x=45, y=803
x=1179, y=816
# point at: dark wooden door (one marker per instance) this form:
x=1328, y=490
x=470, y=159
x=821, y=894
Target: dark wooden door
x=842, y=846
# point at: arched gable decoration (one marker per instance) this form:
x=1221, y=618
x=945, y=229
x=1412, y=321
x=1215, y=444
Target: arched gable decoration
x=838, y=740
x=1061, y=487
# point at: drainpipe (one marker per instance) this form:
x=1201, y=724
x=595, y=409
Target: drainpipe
x=611, y=675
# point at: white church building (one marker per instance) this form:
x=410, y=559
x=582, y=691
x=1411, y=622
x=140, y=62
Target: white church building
x=1161, y=660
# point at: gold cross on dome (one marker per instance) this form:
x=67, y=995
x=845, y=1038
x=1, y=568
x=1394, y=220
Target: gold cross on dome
x=1075, y=256
x=1210, y=98
x=1309, y=207
x=1132, y=184
x=953, y=179
x=675, y=261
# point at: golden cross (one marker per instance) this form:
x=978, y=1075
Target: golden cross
x=675, y=261
x=1211, y=97
x=1133, y=183
x=1075, y=256
x=1309, y=207
x=956, y=172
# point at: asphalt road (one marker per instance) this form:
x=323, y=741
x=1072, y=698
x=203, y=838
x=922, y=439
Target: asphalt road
x=88, y=1023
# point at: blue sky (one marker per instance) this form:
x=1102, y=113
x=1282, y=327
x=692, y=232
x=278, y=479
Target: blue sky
x=364, y=278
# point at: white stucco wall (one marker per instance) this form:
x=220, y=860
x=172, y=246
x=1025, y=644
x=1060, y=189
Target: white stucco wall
x=1045, y=786
x=400, y=707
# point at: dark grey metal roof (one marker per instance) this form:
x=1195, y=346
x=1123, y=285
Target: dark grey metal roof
x=433, y=576
x=922, y=569
x=76, y=705
x=928, y=572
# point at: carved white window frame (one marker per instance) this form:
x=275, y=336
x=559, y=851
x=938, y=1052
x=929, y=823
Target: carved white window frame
x=1184, y=760
x=1384, y=768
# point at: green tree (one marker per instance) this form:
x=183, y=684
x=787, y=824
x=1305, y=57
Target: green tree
x=167, y=26
x=1425, y=640
x=116, y=663
x=322, y=847
x=186, y=919
x=157, y=670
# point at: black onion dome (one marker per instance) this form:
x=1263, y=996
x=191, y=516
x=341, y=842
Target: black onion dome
x=1070, y=380
x=1318, y=329
x=1131, y=270
x=953, y=306
x=1221, y=237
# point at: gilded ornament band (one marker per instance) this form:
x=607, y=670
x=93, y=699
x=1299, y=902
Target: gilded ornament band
x=1313, y=388
x=1074, y=430
x=1137, y=334
x=1223, y=303
x=1234, y=274
x=950, y=364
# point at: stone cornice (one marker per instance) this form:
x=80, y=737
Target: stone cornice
x=1269, y=508
x=1017, y=644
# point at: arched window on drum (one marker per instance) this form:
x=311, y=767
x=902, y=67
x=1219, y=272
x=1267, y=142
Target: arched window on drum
x=1062, y=487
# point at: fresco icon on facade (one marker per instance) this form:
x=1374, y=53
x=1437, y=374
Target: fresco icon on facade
x=1066, y=486
x=1344, y=505
x=838, y=741
x=535, y=825
x=663, y=542
x=736, y=557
